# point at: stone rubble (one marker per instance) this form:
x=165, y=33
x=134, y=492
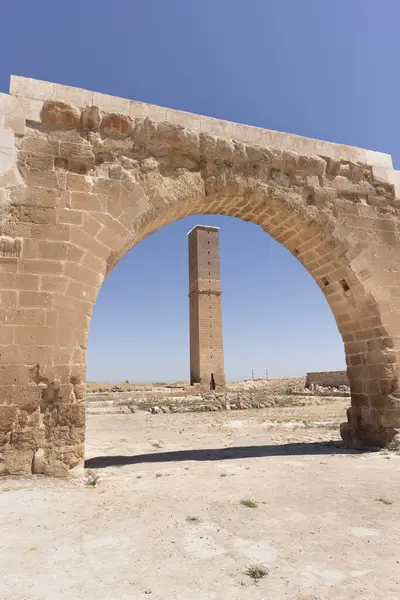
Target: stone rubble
x=239, y=398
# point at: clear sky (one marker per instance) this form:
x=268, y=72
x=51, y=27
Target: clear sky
x=320, y=68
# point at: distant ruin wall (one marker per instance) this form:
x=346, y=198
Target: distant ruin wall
x=327, y=378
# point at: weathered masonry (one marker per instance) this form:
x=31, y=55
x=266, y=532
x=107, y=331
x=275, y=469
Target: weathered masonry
x=327, y=379
x=85, y=176
x=206, y=343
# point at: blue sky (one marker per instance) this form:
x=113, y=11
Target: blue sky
x=318, y=68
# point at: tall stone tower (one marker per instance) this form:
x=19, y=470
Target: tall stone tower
x=206, y=343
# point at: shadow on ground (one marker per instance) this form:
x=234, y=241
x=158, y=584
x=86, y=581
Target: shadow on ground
x=305, y=448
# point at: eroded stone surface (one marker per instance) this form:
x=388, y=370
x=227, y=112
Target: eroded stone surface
x=91, y=184
x=55, y=112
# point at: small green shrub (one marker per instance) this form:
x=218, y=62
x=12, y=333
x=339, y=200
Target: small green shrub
x=249, y=503
x=256, y=572
x=92, y=479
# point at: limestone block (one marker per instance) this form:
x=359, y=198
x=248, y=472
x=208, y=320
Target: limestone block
x=73, y=95
x=15, y=123
x=379, y=159
x=318, y=147
x=141, y=110
x=26, y=108
x=30, y=109
x=186, y=119
x=71, y=414
x=31, y=88
x=11, y=178
x=387, y=175
x=5, y=104
x=7, y=159
x=217, y=127
x=111, y=104
x=26, y=88
x=6, y=137
x=17, y=462
x=243, y=133
x=268, y=138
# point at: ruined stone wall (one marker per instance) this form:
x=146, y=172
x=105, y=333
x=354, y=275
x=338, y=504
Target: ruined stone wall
x=85, y=176
x=327, y=378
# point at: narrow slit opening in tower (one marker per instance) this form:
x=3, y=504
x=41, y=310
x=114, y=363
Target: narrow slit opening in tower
x=344, y=285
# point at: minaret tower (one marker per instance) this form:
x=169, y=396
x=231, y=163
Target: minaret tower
x=206, y=342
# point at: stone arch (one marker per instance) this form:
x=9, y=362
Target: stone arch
x=85, y=184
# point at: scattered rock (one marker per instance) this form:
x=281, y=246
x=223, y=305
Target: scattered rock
x=181, y=397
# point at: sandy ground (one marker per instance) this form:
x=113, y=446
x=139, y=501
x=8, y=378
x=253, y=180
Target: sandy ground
x=166, y=522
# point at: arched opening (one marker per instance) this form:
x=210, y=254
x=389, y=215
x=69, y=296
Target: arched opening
x=333, y=255
x=136, y=301
x=274, y=314
x=313, y=237
x=310, y=233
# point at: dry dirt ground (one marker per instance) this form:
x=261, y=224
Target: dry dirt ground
x=165, y=520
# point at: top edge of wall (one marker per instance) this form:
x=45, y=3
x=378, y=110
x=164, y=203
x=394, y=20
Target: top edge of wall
x=36, y=89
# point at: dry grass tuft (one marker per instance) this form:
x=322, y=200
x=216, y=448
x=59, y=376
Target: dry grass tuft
x=193, y=519
x=256, y=572
x=249, y=503
x=384, y=501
